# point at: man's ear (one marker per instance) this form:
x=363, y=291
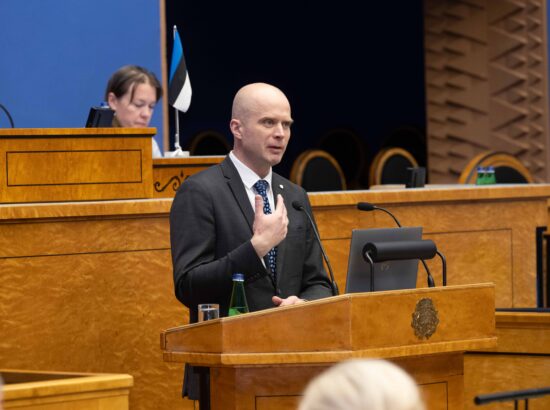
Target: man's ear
x=235, y=127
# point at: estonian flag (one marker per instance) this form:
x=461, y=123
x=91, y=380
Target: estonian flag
x=179, y=91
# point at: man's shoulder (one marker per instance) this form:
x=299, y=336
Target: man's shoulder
x=288, y=184
x=207, y=174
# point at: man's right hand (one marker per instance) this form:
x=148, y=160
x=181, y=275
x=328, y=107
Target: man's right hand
x=269, y=230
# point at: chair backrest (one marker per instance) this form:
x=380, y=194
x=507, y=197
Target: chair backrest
x=348, y=149
x=508, y=169
x=317, y=170
x=209, y=143
x=390, y=165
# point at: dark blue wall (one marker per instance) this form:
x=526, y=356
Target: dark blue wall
x=57, y=55
x=340, y=65
x=347, y=64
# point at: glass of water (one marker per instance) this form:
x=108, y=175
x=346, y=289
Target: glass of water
x=208, y=311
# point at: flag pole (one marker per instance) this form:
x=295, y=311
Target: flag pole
x=176, y=112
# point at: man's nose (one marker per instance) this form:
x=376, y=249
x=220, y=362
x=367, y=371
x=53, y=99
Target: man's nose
x=279, y=130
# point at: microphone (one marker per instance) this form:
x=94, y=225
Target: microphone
x=299, y=207
x=367, y=206
x=7, y=114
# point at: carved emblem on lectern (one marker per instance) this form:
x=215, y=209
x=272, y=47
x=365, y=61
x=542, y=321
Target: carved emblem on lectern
x=424, y=319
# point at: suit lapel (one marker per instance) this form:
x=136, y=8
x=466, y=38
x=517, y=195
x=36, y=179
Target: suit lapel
x=237, y=188
x=278, y=187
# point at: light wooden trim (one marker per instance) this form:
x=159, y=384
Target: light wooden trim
x=169, y=162
x=73, y=383
x=379, y=161
x=343, y=329
x=455, y=193
x=76, y=132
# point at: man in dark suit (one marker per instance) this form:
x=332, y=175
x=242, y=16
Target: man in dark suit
x=224, y=221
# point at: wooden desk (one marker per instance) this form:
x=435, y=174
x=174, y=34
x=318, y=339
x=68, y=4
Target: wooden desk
x=26, y=390
x=87, y=286
x=488, y=234
x=521, y=360
x=292, y=345
x=169, y=173
x=75, y=164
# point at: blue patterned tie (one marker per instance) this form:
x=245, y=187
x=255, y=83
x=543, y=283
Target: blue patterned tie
x=261, y=189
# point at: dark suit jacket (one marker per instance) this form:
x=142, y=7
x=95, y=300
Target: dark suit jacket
x=210, y=230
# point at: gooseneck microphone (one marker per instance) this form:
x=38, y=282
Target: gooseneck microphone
x=3, y=108
x=367, y=206
x=299, y=207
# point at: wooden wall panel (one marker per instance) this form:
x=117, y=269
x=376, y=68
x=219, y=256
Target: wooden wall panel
x=489, y=373
x=486, y=83
x=92, y=296
x=88, y=286
x=483, y=240
x=520, y=361
x=75, y=164
x=441, y=385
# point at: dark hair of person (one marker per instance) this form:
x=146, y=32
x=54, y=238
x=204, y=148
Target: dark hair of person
x=127, y=77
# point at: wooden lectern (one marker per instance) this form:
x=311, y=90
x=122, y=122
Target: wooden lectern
x=264, y=360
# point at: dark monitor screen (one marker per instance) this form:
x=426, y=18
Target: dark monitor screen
x=100, y=117
x=389, y=275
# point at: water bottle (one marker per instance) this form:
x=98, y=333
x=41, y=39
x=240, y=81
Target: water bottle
x=481, y=179
x=238, y=305
x=490, y=177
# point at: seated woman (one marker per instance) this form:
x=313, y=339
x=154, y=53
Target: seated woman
x=132, y=93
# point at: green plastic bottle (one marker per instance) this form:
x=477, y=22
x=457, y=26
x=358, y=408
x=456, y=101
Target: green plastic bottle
x=481, y=178
x=490, y=176
x=238, y=304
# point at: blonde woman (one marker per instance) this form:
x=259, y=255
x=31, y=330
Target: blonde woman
x=363, y=385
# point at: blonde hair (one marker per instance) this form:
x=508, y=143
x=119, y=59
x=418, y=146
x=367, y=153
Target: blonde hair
x=363, y=385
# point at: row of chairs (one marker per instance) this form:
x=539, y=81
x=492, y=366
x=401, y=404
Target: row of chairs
x=338, y=164
x=317, y=170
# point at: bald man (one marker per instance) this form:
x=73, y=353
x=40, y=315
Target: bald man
x=218, y=224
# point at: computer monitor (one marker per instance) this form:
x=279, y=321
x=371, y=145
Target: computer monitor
x=100, y=117
x=389, y=275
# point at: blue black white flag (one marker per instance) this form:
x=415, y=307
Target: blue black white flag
x=179, y=90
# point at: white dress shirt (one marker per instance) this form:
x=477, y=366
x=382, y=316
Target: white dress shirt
x=249, y=178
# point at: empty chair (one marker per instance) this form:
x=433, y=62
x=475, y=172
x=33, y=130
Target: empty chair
x=209, y=142
x=390, y=165
x=317, y=170
x=409, y=137
x=508, y=169
x=349, y=151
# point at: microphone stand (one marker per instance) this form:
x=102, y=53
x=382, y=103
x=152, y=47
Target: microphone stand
x=299, y=207
x=371, y=264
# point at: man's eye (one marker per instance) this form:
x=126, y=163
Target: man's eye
x=269, y=122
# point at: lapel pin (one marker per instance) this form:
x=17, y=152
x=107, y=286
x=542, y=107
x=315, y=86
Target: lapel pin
x=280, y=186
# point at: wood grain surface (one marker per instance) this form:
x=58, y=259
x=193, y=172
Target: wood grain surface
x=87, y=286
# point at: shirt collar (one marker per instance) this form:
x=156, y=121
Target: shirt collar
x=248, y=176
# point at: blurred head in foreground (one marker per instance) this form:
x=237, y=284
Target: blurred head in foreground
x=362, y=385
